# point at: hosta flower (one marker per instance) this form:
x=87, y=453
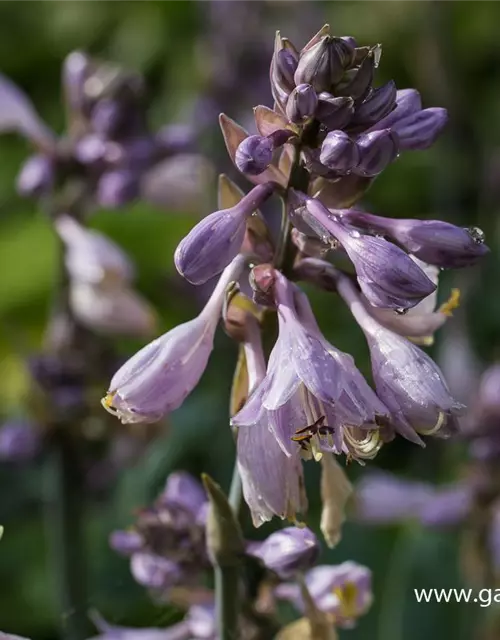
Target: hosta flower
x=166, y=544
x=288, y=551
x=433, y=241
x=199, y=624
x=387, y=275
x=211, y=245
x=158, y=378
x=408, y=382
x=342, y=591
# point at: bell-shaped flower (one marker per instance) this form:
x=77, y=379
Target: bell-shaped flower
x=435, y=242
x=158, y=378
x=342, y=591
x=407, y=380
x=211, y=245
x=387, y=276
x=271, y=478
x=287, y=552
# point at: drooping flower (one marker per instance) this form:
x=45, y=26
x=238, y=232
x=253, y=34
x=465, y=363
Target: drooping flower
x=158, y=378
x=386, y=275
x=342, y=591
x=286, y=552
x=433, y=241
x=409, y=383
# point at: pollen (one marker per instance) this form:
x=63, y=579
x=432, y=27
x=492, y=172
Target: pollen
x=347, y=595
x=451, y=304
x=107, y=403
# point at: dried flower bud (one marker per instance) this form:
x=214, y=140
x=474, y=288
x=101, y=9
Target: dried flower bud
x=287, y=552
x=339, y=152
x=301, y=103
x=376, y=151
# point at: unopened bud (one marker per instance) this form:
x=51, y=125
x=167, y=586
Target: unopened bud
x=357, y=82
x=254, y=155
x=301, y=103
x=286, y=65
x=379, y=104
x=334, y=113
x=376, y=151
x=339, y=152
x=36, y=176
x=420, y=129
x=324, y=63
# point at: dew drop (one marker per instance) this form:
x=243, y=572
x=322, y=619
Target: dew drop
x=401, y=311
x=476, y=234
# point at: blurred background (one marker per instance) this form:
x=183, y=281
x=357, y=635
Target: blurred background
x=200, y=58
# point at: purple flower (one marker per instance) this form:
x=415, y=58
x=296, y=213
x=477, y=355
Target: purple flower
x=271, y=478
x=211, y=245
x=342, y=591
x=117, y=188
x=20, y=441
x=379, y=104
x=407, y=381
x=36, y=176
x=254, y=154
x=286, y=552
x=184, y=492
x=158, y=378
x=126, y=542
x=447, y=507
x=435, y=242
x=199, y=624
x=382, y=498
x=388, y=277
x=154, y=572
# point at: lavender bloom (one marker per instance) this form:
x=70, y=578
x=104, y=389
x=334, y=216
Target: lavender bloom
x=167, y=545
x=382, y=498
x=199, y=624
x=254, y=154
x=20, y=441
x=117, y=188
x=387, y=276
x=271, y=479
x=287, y=552
x=342, y=591
x=158, y=378
x=421, y=129
x=438, y=243
x=211, y=245
x=339, y=152
x=378, y=105
x=447, y=507
x=408, y=382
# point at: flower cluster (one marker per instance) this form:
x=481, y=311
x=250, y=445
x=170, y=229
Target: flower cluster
x=166, y=545
x=108, y=156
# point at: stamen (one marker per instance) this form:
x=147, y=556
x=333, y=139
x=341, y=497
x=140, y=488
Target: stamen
x=451, y=304
x=441, y=421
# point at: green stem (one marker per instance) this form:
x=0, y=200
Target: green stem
x=227, y=601
x=64, y=513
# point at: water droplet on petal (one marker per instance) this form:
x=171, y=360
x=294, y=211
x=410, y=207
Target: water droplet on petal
x=401, y=311
x=476, y=234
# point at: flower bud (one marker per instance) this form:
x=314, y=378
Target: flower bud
x=376, y=151
x=108, y=117
x=357, y=82
x=334, y=113
x=407, y=102
x=254, y=155
x=323, y=64
x=380, y=103
x=339, y=152
x=217, y=239
x=421, y=129
x=19, y=441
x=285, y=66
x=36, y=176
x=126, y=542
x=76, y=67
x=153, y=571
x=287, y=552
x=301, y=103
x=117, y=188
